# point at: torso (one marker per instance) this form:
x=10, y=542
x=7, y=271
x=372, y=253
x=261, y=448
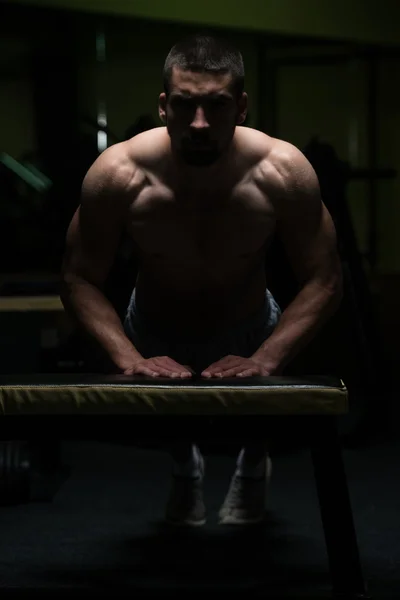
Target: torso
x=201, y=255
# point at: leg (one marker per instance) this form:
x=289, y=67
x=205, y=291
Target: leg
x=336, y=512
x=245, y=501
x=186, y=459
x=251, y=460
x=185, y=505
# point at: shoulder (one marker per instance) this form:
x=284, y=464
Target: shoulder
x=285, y=169
x=123, y=170
x=273, y=160
x=150, y=150
x=282, y=172
x=124, y=165
x=113, y=172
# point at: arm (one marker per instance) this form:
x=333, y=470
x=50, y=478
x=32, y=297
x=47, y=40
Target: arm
x=309, y=238
x=91, y=245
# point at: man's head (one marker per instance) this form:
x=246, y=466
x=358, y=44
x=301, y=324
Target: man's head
x=203, y=98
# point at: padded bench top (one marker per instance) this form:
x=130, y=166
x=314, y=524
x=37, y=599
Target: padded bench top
x=52, y=394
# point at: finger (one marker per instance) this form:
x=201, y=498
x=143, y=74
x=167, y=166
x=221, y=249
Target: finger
x=235, y=372
x=172, y=366
x=216, y=372
x=185, y=370
x=160, y=372
x=212, y=372
x=226, y=363
x=247, y=373
x=254, y=371
x=226, y=372
x=146, y=371
x=167, y=362
x=181, y=374
x=171, y=374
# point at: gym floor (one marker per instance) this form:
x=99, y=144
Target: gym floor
x=103, y=532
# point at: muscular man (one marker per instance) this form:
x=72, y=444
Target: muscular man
x=201, y=198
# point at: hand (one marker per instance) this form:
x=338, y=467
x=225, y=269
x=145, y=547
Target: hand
x=159, y=366
x=236, y=366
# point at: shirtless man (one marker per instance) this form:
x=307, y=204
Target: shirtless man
x=201, y=198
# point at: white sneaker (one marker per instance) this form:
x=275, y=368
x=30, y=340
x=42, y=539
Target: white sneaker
x=245, y=501
x=185, y=505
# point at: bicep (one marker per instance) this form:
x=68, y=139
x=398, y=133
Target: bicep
x=93, y=237
x=309, y=237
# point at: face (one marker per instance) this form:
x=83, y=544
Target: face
x=201, y=113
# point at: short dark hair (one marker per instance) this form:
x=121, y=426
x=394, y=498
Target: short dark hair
x=205, y=53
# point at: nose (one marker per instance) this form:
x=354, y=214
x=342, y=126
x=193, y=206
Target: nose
x=199, y=120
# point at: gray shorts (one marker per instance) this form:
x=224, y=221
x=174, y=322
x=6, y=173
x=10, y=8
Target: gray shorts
x=243, y=339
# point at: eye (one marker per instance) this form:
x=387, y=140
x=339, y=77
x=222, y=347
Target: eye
x=219, y=103
x=183, y=103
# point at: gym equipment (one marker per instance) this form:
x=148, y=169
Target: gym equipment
x=30, y=471
x=31, y=318
x=25, y=191
x=14, y=472
x=349, y=344
x=358, y=311
x=89, y=405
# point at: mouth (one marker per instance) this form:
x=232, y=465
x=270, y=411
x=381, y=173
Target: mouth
x=200, y=145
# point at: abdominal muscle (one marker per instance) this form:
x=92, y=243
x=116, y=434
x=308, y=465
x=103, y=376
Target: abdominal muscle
x=197, y=307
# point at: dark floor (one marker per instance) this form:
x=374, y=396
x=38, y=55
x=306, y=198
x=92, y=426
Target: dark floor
x=102, y=530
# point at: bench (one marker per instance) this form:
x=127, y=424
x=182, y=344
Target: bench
x=90, y=405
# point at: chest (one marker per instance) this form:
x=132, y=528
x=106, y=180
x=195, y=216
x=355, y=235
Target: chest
x=199, y=228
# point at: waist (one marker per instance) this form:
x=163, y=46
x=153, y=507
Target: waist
x=200, y=318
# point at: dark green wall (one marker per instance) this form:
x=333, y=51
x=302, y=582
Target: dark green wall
x=329, y=101
x=361, y=20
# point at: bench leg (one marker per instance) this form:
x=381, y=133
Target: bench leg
x=336, y=511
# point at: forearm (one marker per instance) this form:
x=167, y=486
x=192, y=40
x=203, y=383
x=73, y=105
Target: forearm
x=298, y=325
x=99, y=320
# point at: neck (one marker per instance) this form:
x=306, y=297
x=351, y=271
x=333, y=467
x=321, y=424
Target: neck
x=201, y=177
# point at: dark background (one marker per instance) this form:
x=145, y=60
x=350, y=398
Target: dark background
x=75, y=82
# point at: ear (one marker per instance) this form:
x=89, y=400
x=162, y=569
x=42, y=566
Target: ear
x=162, y=107
x=242, y=109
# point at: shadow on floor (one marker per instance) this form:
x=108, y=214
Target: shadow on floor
x=252, y=560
